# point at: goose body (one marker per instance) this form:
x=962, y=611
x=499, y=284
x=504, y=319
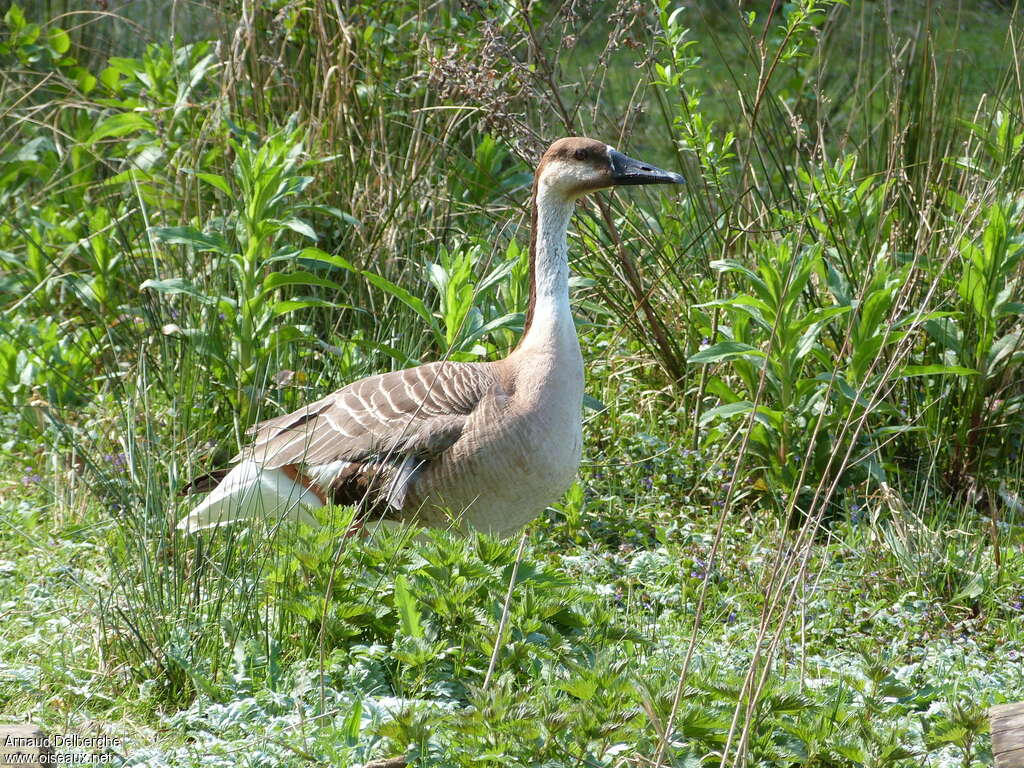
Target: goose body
x=484, y=445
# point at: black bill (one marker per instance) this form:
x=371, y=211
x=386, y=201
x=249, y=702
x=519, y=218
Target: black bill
x=626, y=170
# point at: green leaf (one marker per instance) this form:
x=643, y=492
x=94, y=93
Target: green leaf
x=717, y=387
x=216, y=180
x=315, y=254
x=352, y=724
x=86, y=81
x=119, y=125
x=582, y=688
x=404, y=360
x=972, y=590
x=732, y=265
x=60, y=41
x=727, y=411
x=173, y=285
x=851, y=752
x=935, y=370
x=192, y=237
x=1010, y=308
x=898, y=430
x=277, y=279
x=724, y=350
x=1001, y=348
x=128, y=66
x=413, y=302
x=29, y=34
x=337, y=213
x=292, y=305
x=298, y=225
x=111, y=78
x=946, y=332
x=200, y=680
x=408, y=614
x=497, y=275
x=511, y=320
x=15, y=17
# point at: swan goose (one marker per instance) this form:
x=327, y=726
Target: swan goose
x=491, y=442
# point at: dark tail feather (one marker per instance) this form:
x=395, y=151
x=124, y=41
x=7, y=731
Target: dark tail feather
x=204, y=483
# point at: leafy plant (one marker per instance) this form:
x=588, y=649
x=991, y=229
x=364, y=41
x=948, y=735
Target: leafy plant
x=983, y=334
x=241, y=354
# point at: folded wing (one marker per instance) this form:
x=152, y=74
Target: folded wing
x=369, y=439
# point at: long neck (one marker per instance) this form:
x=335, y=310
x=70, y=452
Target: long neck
x=548, y=317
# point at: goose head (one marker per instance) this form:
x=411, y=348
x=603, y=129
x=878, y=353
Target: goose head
x=575, y=166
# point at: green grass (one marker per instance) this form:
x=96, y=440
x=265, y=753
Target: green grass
x=796, y=536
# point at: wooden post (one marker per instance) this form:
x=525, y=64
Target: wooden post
x=1007, y=721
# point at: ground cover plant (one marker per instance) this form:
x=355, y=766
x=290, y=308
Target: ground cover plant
x=796, y=537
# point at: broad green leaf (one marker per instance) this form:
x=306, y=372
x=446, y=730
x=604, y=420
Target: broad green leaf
x=127, y=66
x=727, y=411
x=947, y=333
x=315, y=254
x=821, y=314
x=15, y=17
x=922, y=318
x=277, y=279
x=60, y=41
x=973, y=590
x=192, y=237
x=298, y=225
x=582, y=688
x=29, y=34
x=408, y=613
x=111, y=78
x=85, y=80
x=1010, y=308
x=844, y=388
x=810, y=338
x=119, y=125
x=194, y=673
x=898, y=430
x=732, y=265
x=850, y=752
x=337, y=213
x=175, y=285
x=206, y=344
x=403, y=360
x=216, y=180
x=438, y=278
x=1001, y=348
x=769, y=417
x=497, y=275
x=510, y=320
x=716, y=386
x=724, y=350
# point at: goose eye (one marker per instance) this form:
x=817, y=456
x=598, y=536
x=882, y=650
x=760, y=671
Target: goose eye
x=580, y=154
